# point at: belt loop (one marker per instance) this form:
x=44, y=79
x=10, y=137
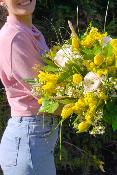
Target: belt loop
x=43, y=120
x=20, y=120
x=52, y=119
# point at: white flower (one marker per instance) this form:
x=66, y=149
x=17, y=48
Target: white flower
x=97, y=130
x=91, y=82
x=65, y=54
x=106, y=40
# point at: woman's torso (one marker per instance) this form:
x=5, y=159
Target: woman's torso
x=18, y=92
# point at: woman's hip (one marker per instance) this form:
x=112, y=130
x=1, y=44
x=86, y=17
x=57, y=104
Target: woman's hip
x=28, y=138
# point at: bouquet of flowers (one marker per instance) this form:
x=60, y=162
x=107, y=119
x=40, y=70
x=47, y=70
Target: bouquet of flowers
x=80, y=75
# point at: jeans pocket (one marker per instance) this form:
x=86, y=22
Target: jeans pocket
x=41, y=132
x=9, y=149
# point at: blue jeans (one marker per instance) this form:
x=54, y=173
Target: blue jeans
x=27, y=146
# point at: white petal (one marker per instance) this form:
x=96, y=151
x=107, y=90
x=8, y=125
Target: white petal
x=91, y=82
x=105, y=41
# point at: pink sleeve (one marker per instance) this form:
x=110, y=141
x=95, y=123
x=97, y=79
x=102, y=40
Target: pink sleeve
x=24, y=56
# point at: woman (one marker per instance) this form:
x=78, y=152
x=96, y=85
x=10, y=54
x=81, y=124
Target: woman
x=27, y=144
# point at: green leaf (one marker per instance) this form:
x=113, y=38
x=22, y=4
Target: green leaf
x=108, y=51
x=71, y=67
x=48, y=61
x=66, y=101
x=97, y=49
x=30, y=81
x=88, y=53
x=110, y=113
x=50, y=68
x=48, y=106
x=114, y=122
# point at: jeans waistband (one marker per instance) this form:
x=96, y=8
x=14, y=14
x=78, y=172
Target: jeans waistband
x=33, y=118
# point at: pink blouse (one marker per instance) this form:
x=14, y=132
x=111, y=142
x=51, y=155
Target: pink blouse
x=20, y=49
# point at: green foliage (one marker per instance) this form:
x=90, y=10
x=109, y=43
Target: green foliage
x=71, y=69
x=48, y=106
x=50, y=69
x=108, y=51
x=86, y=154
x=4, y=111
x=49, y=65
x=111, y=113
x=51, y=17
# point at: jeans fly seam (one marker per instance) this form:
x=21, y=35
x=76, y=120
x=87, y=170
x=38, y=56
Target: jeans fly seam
x=29, y=145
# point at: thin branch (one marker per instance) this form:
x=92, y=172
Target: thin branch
x=81, y=151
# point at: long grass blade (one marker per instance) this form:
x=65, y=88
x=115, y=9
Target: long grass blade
x=106, y=15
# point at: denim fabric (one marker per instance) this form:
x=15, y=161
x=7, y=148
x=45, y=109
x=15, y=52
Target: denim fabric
x=27, y=146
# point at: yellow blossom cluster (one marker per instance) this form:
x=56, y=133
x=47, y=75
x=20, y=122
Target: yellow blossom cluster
x=82, y=127
x=67, y=110
x=49, y=87
x=101, y=72
x=75, y=43
x=90, y=99
x=79, y=106
x=86, y=63
x=49, y=81
x=101, y=65
x=40, y=100
x=99, y=59
x=102, y=95
x=77, y=78
x=114, y=45
x=92, y=37
x=85, y=107
x=48, y=77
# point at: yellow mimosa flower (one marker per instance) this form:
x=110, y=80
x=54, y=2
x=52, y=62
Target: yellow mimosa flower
x=109, y=61
x=101, y=72
x=42, y=76
x=95, y=34
x=92, y=65
x=77, y=78
x=114, y=43
x=87, y=42
x=67, y=110
x=91, y=38
x=48, y=85
x=81, y=101
x=86, y=63
x=48, y=77
x=75, y=42
x=98, y=59
x=83, y=126
x=88, y=118
x=40, y=101
x=80, y=104
x=102, y=96
x=90, y=114
x=92, y=101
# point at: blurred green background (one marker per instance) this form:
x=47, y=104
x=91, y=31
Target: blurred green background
x=52, y=15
